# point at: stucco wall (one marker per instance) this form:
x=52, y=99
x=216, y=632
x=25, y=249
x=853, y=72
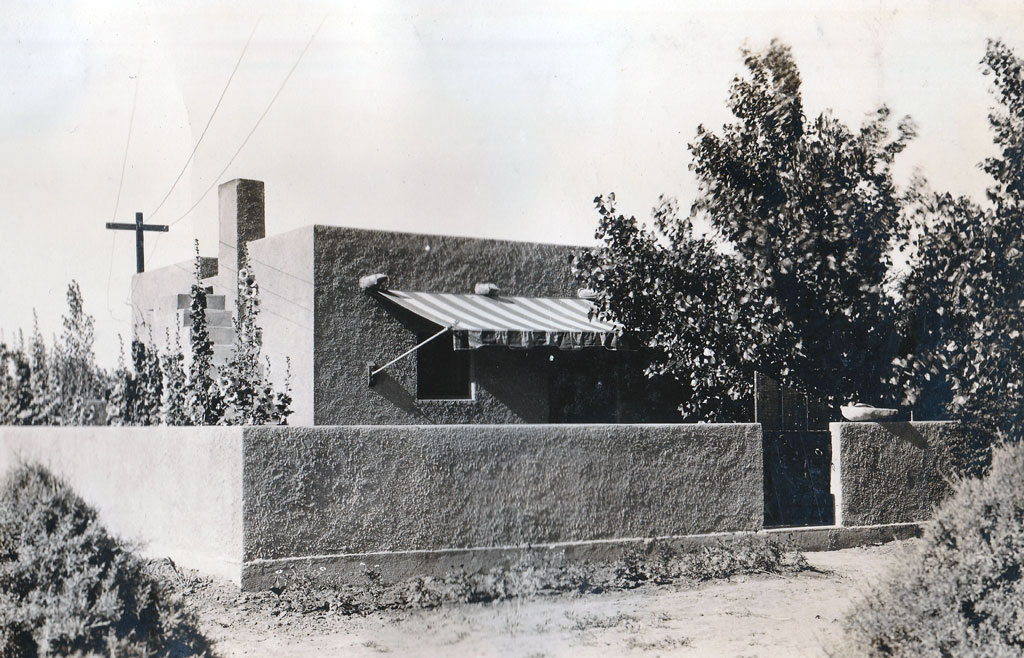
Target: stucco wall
x=891, y=472
x=154, y=302
x=283, y=265
x=353, y=328
x=321, y=491
x=177, y=490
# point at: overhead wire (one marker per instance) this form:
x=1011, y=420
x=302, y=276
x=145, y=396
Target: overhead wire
x=209, y=121
x=284, y=82
x=266, y=110
x=120, y=184
x=195, y=148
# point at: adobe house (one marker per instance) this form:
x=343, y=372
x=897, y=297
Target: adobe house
x=521, y=350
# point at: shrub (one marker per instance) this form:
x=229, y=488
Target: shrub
x=308, y=591
x=745, y=555
x=963, y=594
x=68, y=587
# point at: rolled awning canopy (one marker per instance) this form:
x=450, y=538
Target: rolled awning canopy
x=479, y=320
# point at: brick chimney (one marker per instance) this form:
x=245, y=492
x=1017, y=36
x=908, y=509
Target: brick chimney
x=242, y=219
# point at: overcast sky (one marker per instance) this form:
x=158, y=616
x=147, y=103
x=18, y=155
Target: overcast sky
x=499, y=120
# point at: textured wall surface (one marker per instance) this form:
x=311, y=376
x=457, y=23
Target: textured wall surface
x=353, y=328
x=177, y=490
x=891, y=472
x=335, y=490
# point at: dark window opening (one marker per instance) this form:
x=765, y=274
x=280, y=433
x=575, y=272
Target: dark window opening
x=442, y=372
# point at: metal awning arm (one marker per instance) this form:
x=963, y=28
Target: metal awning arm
x=371, y=372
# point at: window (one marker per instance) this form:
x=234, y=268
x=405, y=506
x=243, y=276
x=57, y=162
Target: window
x=442, y=372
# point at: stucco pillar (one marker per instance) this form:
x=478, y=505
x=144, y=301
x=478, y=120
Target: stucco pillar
x=242, y=219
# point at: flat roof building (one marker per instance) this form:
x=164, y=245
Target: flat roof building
x=492, y=331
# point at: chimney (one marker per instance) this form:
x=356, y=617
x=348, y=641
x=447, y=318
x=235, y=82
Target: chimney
x=242, y=219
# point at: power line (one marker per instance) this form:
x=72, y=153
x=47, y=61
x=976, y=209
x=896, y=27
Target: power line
x=124, y=165
x=284, y=82
x=216, y=180
x=209, y=121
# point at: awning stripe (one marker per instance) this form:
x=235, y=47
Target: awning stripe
x=512, y=321
x=558, y=307
x=541, y=317
x=434, y=308
x=521, y=316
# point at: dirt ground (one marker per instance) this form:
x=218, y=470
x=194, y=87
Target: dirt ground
x=749, y=616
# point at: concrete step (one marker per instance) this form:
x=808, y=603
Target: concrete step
x=218, y=336
x=222, y=335
x=214, y=318
x=213, y=302
x=221, y=354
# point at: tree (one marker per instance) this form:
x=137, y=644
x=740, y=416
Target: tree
x=804, y=214
x=678, y=295
x=964, y=347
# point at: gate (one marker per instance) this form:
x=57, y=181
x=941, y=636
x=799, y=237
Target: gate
x=797, y=448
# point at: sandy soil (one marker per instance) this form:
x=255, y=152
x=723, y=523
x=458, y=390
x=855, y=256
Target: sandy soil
x=751, y=616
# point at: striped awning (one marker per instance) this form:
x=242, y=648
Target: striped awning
x=478, y=320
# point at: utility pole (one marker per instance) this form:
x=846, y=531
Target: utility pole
x=139, y=227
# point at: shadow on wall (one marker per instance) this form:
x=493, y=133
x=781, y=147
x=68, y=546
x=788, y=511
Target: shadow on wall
x=386, y=386
x=967, y=451
x=906, y=432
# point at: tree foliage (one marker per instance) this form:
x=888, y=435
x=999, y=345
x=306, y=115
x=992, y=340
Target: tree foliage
x=803, y=216
x=677, y=294
x=78, y=378
x=964, y=296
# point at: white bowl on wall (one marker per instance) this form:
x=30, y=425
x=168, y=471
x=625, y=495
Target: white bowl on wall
x=865, y=413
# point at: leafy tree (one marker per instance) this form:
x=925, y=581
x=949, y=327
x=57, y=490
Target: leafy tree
x=964, y=347
x=804, y=214
x=39, y=387
x=677, y=293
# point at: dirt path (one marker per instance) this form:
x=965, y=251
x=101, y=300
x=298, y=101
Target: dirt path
x=749, y=616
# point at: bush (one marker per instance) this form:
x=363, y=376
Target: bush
x=963, y=594
x=67, y=587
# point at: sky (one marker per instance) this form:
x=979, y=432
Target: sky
x=494, y=120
